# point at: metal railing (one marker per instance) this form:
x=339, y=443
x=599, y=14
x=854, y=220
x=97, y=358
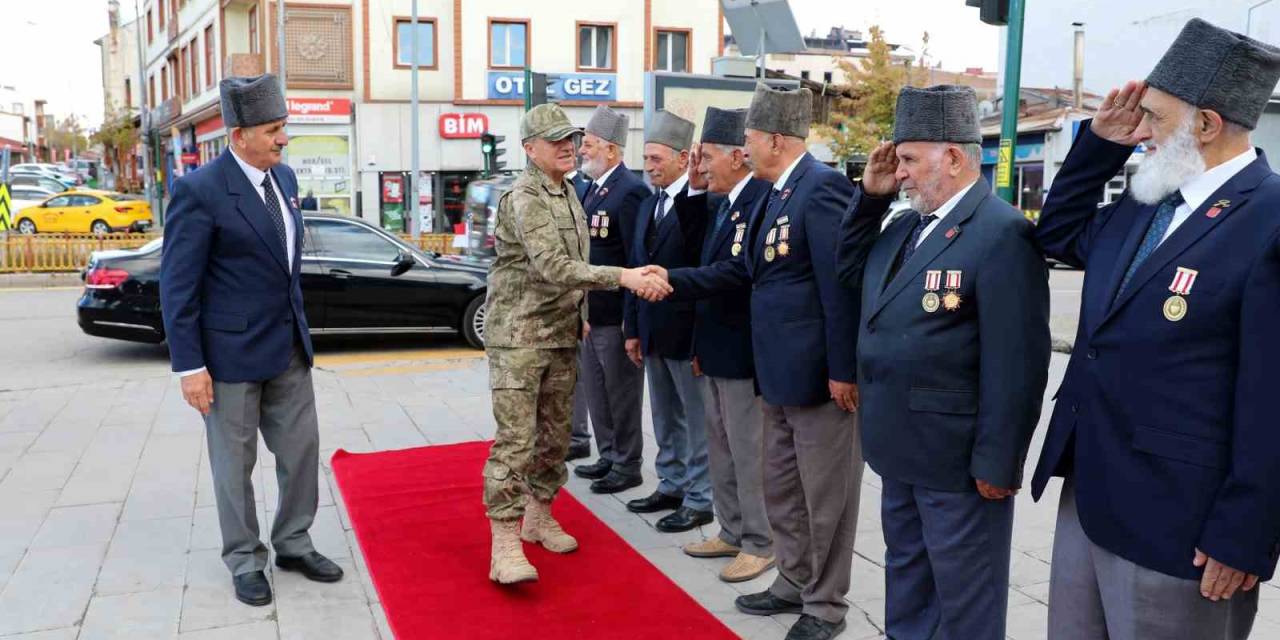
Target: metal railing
x=45, y=253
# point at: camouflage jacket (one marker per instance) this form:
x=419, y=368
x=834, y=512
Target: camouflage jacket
x=536, y=284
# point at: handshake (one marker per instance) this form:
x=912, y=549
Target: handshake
x=650, y=283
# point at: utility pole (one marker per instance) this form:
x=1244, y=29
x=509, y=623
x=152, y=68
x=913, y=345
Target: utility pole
x=415, y=222
x=147, y=177
x=284, y=86
x=1009, y=121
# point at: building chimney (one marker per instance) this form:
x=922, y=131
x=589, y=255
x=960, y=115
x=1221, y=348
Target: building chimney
x=1077, y=76
x=113, y=20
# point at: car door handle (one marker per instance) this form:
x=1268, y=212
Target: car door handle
x=341, y=274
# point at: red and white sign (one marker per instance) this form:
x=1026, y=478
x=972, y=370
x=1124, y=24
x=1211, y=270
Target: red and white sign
x=190, y=158
x=1183, y=280
x=319, y=111
x=463, y=125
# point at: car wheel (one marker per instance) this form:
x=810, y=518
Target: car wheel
x=99, y=228
x=26, y=226
x=473, y=322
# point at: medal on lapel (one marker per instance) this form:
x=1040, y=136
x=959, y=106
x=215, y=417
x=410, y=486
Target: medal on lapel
x=1217, y=208
x=595, y=224
x=932, y=283
x=784, y=233
x=769, y=253
x=737, y=239
x=786, y=193
x=951, y=300
x=604, y=224
x=1175, y=307
x=604, y=191
x=773, y=235
x=734, y=217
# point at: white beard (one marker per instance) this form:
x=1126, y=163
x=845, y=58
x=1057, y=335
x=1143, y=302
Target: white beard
x=593, y=168
x=1173, y=164
x=920, y=204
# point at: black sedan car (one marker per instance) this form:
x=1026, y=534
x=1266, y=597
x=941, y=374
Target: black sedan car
x=356, y=279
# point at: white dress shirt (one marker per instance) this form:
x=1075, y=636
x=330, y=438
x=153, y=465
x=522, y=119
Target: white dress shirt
x=737, y=189
x=601, y=180
x=782, y=179
x=942, y=211
x=673, y=190
x=255, y=176
x=1202, y=186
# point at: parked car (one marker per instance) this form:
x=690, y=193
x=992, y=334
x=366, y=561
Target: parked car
x=42, y=180
x=21, y=197
x=356, y=279
x=86, y=211
x=482, y=213
x=50, y=170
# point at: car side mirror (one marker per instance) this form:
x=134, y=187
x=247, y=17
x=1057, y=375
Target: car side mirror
x=404, y=262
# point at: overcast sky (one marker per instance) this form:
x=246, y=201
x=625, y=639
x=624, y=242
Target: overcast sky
x=49, y=51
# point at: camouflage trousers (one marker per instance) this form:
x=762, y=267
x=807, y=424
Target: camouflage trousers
x=532, y=391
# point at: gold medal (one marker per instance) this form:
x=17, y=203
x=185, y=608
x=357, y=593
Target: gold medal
x=769, y=254
x=784, y=249
x=736, y=249
x=951, y=301
x=604, y=232
x=1175, y=308
x=930, y=302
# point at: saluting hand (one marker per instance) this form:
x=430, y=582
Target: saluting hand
x=1118, y=118
x=880, y=178
x=697, y=179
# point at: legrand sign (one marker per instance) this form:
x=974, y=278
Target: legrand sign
x=319, y=111
x=463, y=125
x=588, y=87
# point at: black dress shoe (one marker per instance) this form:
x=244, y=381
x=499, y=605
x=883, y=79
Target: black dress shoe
x=656, y=502
x=615, y=482
x=683, y=519
x=765, y=604
x=313, y=565
x=252, y=588
x=577, y=452
x=811, y=628
x=594, y=471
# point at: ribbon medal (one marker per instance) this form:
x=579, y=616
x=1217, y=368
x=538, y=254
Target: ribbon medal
x=932, y=283
x=604, y=224
x=951, y=300
x=1175, y=307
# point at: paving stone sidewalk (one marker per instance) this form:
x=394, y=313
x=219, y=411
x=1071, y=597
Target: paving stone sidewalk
x=108, y=527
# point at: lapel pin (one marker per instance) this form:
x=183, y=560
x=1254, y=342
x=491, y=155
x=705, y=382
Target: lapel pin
x=1217, y=208
x=951, y=233
x=734, y=217
x=786, y=193
x=604, y=191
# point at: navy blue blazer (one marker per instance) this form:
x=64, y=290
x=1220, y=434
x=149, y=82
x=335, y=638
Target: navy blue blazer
x=612, y=207
x=722, y=323
x=580, y=183
x=1168, y=428
x=665, y=329
x=801, y=317
x=948, y=396
x=230, y=299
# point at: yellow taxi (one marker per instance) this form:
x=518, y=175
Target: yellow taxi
x=85, y=211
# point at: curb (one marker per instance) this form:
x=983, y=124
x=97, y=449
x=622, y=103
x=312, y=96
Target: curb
x=39, y=280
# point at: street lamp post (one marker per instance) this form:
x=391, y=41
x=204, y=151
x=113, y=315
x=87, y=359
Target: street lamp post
x=415, y=222
x=147, y=178
x=1012, y=91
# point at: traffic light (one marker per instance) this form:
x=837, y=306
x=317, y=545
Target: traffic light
x=491, y=147
x=537, y=89
x=993, y=12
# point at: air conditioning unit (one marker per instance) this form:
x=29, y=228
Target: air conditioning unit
x=733, y=66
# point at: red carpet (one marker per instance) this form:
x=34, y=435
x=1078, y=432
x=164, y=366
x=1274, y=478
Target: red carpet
x=420, y=521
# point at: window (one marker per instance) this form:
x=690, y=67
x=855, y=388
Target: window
x=84, y=201
x=404, y=42
x=671, y=51
x=253, y=29
x=164, y=83
x=151, y=28
x=208, y=56
x=195, y=67
x=595, y=47
x=508, y=44
x=348, y=241
x=60, y=201
x=804, y=75
x=826, y=77
x=128, y=94
x=152, y=94
x=160, y=14
x=180, y=78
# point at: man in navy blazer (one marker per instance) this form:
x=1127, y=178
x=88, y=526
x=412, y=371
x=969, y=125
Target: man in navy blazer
x=612, y=384
x=233, y=317
x=953, y=358
x=660, y=334
x=804, y=362
x=1165, y=425
x=722, y=355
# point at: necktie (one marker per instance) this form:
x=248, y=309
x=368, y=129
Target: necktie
x=591, y=191
x=722, y=214
x=273, y=212
x=909, y=249
x=1155, y=234
x=661, y=212
x=773, y=199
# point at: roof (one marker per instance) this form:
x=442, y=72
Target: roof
x=1051, y=120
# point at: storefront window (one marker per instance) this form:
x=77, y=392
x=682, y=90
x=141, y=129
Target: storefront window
x=323, y=166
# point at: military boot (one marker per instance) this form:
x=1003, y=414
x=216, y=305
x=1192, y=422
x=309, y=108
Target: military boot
x=507, y=564
x=539, y=526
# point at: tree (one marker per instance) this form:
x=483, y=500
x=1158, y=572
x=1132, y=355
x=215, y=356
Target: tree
x=119, y=139
x=860, y=122
x=65, y=134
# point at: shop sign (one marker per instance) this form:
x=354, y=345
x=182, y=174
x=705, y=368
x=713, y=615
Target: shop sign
x=319, y=110
x=463, y=125
x=586, y=87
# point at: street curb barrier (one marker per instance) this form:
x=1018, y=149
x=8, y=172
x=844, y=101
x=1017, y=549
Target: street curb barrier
x=39, y=280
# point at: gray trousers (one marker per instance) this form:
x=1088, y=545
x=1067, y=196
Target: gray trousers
x=613, y=390
x=946, y=563
x=1097, y=595
x=735, y=448
x=580, y=435
x=679, y=427
x=284, y=409
x=812, y=483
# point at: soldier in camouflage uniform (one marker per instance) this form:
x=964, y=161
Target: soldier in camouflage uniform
x=536, y=311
